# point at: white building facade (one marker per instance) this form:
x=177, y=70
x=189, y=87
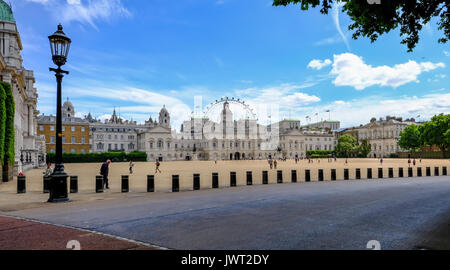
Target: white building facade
x=29, y=147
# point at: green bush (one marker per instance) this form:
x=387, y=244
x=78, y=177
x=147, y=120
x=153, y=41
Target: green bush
x=99, y=157
x=9, y=153
x=2, y=123
x=319, y=154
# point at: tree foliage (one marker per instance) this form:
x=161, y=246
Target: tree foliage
x=2, y=123
x=9, y=125
x=346, y=146
x=374, y=20
x=410, y=138
x=436, y=132
x=364, y=149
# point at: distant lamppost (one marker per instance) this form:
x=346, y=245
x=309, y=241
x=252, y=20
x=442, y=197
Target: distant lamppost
x=59, y=45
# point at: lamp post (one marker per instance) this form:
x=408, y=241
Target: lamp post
x=59, y=45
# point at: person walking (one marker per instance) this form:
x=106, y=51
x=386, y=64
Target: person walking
x=157, y=164
x=275, y=163
x=48, y=171
x=409, y=162
x=104, y=171
x=414, y=162
x=131, y=167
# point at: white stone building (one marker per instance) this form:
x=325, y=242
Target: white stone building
x=383, y=135
x=230, y=139
x=29, y=147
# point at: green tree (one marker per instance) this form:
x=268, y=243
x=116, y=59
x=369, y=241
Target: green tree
x=410, y=138
x=365, y=148
x=9, y=156
x=346, y=146
x=435, y=132
x=374, y=20
x=2, y=124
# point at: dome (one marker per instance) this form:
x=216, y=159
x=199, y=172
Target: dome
x=6, y=13
x=68, y=103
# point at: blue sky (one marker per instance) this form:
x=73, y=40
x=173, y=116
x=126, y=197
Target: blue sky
x=142, y=54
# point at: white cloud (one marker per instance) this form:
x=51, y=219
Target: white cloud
x=350, y=70
x=335, y=12
x=447, y=53
x=85, y=11
x=360, y=111
x=318, y=64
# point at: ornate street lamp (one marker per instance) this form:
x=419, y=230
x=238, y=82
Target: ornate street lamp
x=59, y=45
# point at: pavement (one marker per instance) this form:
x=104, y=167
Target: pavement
x=21, y=234
x=405, y=214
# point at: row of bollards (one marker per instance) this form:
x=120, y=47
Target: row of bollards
x=125, y=185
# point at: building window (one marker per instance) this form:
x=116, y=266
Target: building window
x=64, y=139
x=73, y=151
x=83, y=151
x=83, y=140
x=83, y=129
x=52, y=150
x=41, y=128
x=73, y=129
x=73, y=139
x=63, y=128
x=52, y=139
x=115, y=147
x=52, y=128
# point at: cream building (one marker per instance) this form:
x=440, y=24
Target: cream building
x=114, y=134
x=229, y=139
x=383, y=135
x=29, y=147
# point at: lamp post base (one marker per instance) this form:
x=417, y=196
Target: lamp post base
x=58, y=186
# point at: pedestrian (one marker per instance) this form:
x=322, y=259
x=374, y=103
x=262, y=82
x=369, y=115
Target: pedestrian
x=48, y=171
x=157, y=164
x=215, y=160
x=346, y=161
x=409, y=162
x=414, y=162
x=104, y=171
x=275, y=164
x=271, y=164
x=381, y=161
x=131, y=166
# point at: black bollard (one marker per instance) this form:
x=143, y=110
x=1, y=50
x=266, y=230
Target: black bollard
x=21, y=185
x=428, y=171
x=125, y=184
x=215, y=180
x=320, y=175
x=436, y=171
x=47, y=184
x=369, y=173
x=346, y=174
x=294, y=176
x=150, y=183
x=419, y=172
x=358, y=174
x=280, y=177
x=197, y=181
x=175, y=183
x=99, y=184
x=391, y=172
x=249, y=178
x=233, y=179
x=265, y=178
x=410, y=172
x=307, y=176
x=380, y=173
x=400, y=173
x=333, y=175
x=74, y=184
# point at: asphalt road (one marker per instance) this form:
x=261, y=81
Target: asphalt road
x=408, y=213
